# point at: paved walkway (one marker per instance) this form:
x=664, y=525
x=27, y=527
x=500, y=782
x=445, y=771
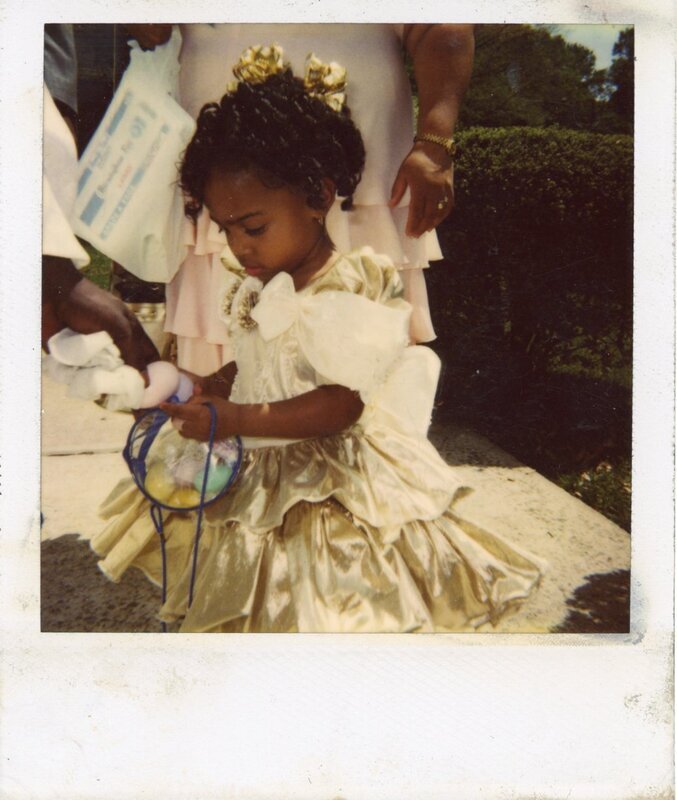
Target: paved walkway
x=81, y=461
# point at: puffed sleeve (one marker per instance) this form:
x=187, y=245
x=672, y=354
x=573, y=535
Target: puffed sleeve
x=355, y=329
x=362, y=344
x=369, y=274
x=351, y=340
x=400, y=381
x=346, y=338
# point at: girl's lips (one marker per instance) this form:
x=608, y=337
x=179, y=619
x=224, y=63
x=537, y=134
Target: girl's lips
x=252, y=270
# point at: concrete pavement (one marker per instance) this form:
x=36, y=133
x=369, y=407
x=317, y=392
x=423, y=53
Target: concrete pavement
x=81, y=461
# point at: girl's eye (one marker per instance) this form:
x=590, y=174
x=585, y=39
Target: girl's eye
x=249, y=231
x=255, y=231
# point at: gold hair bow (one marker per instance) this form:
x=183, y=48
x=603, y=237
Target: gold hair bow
x=258, y=63
x=327, y=82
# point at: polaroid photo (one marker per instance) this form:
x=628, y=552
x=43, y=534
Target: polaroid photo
x=538, y=568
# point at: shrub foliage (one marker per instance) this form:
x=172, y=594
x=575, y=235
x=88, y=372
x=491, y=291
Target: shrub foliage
x=533, y=311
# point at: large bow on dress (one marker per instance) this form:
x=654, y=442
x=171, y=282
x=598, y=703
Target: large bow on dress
x=347, y=338
x=355, y=342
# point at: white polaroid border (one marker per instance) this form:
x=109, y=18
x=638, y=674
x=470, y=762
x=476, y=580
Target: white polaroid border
x=439, y=716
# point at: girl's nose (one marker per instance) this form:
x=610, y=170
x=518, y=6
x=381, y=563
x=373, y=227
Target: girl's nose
x=241, y=255
x=238, y=244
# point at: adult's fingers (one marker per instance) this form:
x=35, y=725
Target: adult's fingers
x=438, y=210
x=423, y=207
x=398, y=190
x=427, y=210
x=417, y=213
x=136, y=348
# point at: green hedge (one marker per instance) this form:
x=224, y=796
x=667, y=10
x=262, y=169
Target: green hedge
x=533, y=309
x=558, y=177
x=544, y=218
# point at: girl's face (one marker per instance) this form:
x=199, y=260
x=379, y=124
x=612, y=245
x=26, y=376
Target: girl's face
x=268, y=230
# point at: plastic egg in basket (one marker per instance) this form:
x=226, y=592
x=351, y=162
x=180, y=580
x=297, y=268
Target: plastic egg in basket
x=176, y=473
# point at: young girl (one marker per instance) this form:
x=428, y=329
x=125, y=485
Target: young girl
x=343, y=517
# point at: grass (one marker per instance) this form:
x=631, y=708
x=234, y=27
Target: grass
x=606, y=487
x=99, y=270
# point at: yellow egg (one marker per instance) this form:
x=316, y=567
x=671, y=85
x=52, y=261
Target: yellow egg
x=185, y=497
x=159, y=482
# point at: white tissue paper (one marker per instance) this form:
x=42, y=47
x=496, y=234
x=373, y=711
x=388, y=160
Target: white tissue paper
x=91, y=365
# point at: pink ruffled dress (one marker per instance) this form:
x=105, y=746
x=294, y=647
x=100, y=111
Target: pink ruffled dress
x=380, y=100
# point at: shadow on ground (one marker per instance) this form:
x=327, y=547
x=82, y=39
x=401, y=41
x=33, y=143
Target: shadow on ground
x=76, y=597
x=600, y=605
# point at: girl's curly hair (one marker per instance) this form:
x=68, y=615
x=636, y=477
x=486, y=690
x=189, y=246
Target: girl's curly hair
x=282, y=134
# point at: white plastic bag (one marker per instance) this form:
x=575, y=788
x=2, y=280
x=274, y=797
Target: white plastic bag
x=128, y=204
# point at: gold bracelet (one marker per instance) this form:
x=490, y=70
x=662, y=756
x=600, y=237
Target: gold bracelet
x=448, y=144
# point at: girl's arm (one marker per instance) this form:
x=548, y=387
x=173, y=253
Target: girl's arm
x=321, y=412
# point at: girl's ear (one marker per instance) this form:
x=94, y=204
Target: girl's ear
x=328, y=193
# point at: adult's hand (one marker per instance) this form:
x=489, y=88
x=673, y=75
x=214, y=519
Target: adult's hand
x=69, y=300
x=88, y=309
x=150, y=36
x=428, y=173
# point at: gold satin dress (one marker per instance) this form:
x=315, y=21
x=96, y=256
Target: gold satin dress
x=355, y=532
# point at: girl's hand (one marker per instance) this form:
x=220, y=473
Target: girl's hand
x=430, y=179
x=219, y=383
x=193, y=419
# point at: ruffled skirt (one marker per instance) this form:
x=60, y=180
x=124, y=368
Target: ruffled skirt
x=351, y=533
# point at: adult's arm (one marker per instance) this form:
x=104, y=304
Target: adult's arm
x=70, y=300
x=442, y=57
x=150, y=36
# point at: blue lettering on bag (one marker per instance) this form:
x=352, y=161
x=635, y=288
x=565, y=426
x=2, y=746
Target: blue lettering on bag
x=83, y=179
x=91, y=209
x=119, y=114
x=136, y=179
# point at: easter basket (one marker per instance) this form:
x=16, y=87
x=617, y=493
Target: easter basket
x=175, y=473
x=179, y=475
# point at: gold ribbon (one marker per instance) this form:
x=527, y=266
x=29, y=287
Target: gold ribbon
x=258, y=63
x=326, y=82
